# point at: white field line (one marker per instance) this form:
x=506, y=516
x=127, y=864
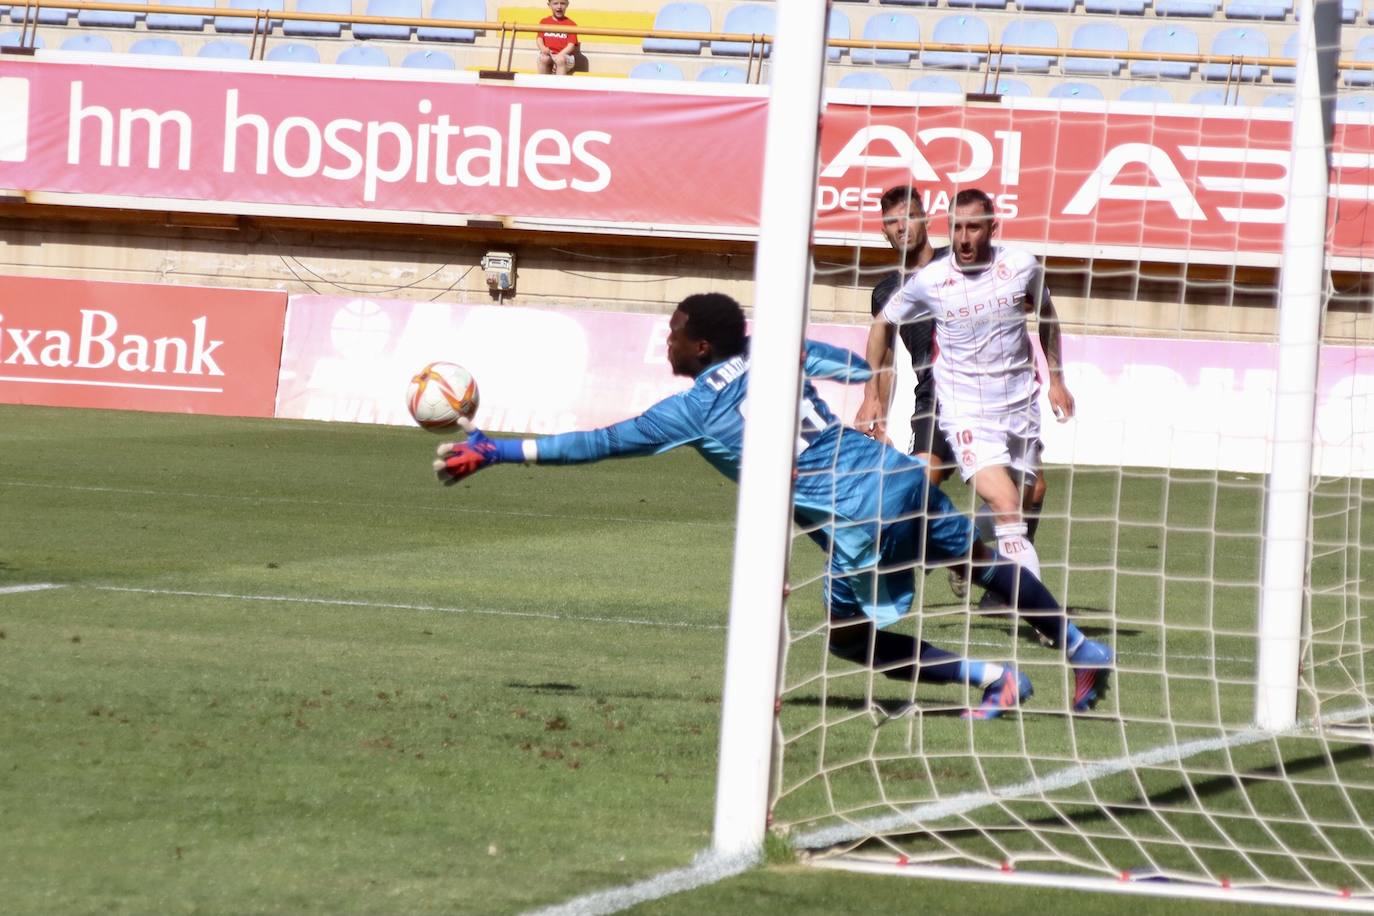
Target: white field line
x=35, y=587
x=707, y=869
x=914, y=818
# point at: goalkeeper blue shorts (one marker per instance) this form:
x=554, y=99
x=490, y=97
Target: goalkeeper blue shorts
x=885, y=588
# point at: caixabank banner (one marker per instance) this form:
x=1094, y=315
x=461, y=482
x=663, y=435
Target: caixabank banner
x=139, y=346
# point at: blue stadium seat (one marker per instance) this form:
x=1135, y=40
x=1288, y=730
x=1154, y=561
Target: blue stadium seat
x=749, y=19
x=979, y=4
x=864, y=80
x=1360, y=102
x=1258, y=9
x=293, y=52
x=429, y=60
x=11, y=40
x=957, y=30
x=718, y=74
x=316, y=29
x=1096, y=36
x=1013, y=88
x=1152, y=94
x=1278, y=100
x=463, y=10
x=363, y=56
x=935, y=82
x=1364, y=51
x=162, y=47
x=1239, y=42
x=910, y=2
x=1076, y=91
x=401, y=9
x=109, y=19
x=1036, y=33
x=224, y=50
x=1350, y=10
x=1209, y=97
x=887, y=27
x=656, y=70
x=836, y=26
x=679, y=17
x=1115, y=7
x=235, y=24
x=47, y=15
x=180, y=20
x=1290, y=51
x=93, y=43
x=1203, y=8
x=1167, y=39
x=1046, y=6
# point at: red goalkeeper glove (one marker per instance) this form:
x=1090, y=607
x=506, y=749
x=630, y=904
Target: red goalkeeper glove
x=458, y=460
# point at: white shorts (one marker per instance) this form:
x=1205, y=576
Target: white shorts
x=1009, y=440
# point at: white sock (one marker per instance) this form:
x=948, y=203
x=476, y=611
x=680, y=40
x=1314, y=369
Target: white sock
x=1012, y=544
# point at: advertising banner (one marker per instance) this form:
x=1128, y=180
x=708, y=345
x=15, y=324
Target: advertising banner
x=138, y=346
x=1167, y=182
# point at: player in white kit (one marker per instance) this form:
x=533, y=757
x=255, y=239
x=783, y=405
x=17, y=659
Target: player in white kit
x=985, y=376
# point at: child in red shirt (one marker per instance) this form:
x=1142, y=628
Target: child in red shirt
x=557, y=46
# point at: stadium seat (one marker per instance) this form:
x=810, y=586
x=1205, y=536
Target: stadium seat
x=463, y=10
x=1290, y=51
x=47, y=15
x=180, y=20
x=1258, y=9
x=1209, y=97
x=957, y=30
x=11, y=40
x=293, y=52
x=1075, y=91
x=1037, y=33
x=429, y=60
x=1096, y=36
x=909, y=2
x=935, y=83
x=1202, y=8
x=316, y=29
x=224, y=50
x=235, y=24
x=1013, y=88
x=1350, y=10
x=978, y=4
x=1152, y=94
x=1115, y=7
x=679, y=17
x=1238, y=42
x=887, y=27
x=1364, y=52
x=109, y=19
x=1046, y=6
x=836, y=26
x=162, y=47
x=400, y=9
x=749, y=19
x=1167, y=39
x=1278, y=100
x=1360, y=102
x=719, y=74
x=363, y=56
x=863, y=80
x=656, y=70
x=90, y=43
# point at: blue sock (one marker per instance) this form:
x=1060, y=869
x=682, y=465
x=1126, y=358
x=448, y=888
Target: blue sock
x=1019, y=588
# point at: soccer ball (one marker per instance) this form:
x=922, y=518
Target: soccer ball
x=440, y=394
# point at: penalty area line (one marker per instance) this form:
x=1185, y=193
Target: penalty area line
x=32, y=587
x=396, y=606
x=709, y=868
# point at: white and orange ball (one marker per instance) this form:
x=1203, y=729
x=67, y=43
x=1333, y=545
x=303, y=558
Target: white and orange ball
x=440, y=395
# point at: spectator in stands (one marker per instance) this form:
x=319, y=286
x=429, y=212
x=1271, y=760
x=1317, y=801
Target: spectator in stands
x=557, y=46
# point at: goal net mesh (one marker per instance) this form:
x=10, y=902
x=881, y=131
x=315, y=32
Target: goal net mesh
x=1158, y=226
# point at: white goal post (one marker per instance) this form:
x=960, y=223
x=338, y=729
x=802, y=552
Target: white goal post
x=1257, y=809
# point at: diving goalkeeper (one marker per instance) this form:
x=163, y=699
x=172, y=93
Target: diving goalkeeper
x=866, y=504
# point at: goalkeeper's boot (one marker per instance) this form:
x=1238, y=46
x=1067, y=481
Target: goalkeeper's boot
x=1007, y=692
x=1092, y=671
x=958, y=581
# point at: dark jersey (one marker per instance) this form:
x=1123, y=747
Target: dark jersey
x=918, y=335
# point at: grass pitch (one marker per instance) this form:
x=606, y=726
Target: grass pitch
x=286, y=672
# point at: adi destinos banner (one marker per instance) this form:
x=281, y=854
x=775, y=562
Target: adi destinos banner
x=138, y=346
x=1170, y=182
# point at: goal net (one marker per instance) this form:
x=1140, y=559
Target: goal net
x=1161, y=226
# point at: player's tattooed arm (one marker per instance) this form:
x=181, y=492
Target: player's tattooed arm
x=1061, y=400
